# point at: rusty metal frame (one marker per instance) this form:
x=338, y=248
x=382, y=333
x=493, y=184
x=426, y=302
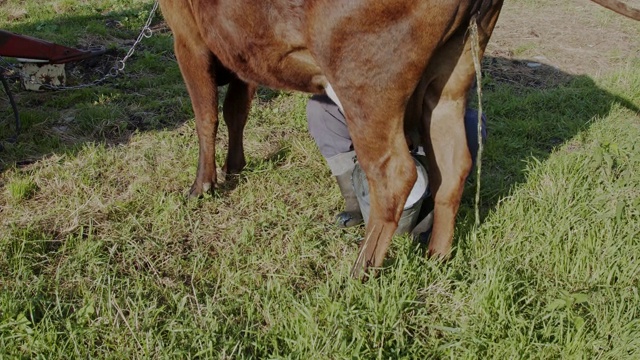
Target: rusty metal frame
x=27, y=47
x=22, y=46
x=16, y=114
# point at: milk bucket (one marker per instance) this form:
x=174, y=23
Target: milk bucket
x=412, y=206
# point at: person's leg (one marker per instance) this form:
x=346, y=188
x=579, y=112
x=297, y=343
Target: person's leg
x=328, y=128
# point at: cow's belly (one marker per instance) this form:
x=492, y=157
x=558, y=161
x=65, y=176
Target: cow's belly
x=262, y=42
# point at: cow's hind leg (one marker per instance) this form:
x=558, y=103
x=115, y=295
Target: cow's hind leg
x=391, y=174
x=449, y=160
x=449, y=163
x=237, y=104
x=378, y=137
x=197, y=65
x=374, y=68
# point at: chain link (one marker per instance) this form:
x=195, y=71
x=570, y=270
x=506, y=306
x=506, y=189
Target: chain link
x=9, y=70
x=116, y=70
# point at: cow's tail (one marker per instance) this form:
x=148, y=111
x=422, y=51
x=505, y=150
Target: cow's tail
x=620, y=7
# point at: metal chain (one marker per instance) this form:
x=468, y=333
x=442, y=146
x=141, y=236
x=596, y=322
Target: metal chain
x=116, y=70
x=145, y=33
x=10, y=71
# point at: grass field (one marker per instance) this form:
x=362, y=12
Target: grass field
x=101, y=256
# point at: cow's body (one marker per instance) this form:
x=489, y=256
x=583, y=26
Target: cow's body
x=383, y=59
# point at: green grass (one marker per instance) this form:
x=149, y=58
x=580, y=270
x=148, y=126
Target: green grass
x=101, y=256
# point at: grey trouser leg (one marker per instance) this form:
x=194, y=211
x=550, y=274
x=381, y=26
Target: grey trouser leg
x=328, y=128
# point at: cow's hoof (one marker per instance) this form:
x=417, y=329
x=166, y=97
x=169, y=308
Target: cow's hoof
x=362, y=272
x=199, y=190
x=233, y=169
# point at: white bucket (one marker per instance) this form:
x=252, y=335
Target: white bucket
x=412, y=205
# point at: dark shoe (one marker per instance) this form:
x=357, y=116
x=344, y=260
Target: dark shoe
x=422, y=232
x=351, y=216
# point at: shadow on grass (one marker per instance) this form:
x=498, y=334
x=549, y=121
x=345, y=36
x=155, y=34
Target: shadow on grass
x=58, y=122
x=532, y=108
x=274, y=159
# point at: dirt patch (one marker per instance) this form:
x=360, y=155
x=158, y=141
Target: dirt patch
x=573, y=36
x=523, y=74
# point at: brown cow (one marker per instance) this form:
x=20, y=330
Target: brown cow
x=371, y=56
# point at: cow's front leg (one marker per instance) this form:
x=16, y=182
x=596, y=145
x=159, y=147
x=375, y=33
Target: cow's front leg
x=196, y=63
x=237, y=104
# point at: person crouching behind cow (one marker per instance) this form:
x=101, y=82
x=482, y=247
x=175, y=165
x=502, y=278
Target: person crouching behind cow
x=328, y=128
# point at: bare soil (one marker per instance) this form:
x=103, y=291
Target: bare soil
x=542, y=43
